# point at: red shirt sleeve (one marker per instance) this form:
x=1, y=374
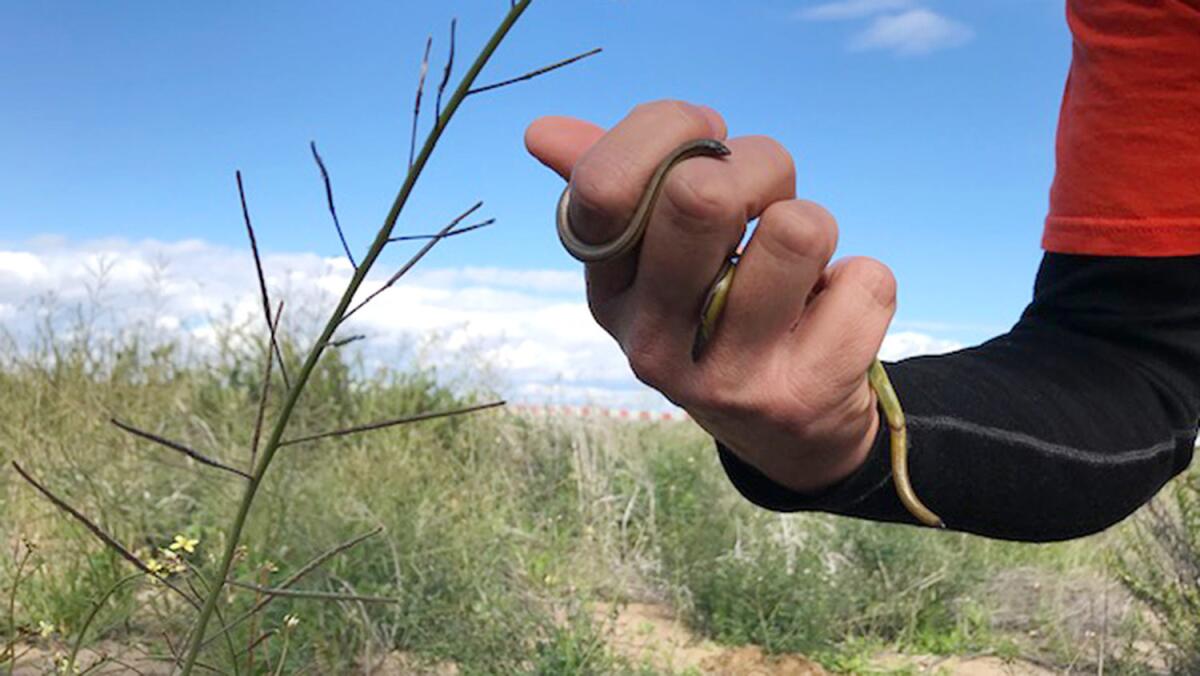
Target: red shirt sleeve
x=1128, y=175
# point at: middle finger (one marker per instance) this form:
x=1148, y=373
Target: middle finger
x=698, y=221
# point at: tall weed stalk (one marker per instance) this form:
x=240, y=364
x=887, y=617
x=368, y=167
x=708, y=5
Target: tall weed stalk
x=204, y=591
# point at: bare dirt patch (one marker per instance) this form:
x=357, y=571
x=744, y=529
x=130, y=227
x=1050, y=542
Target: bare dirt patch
x=653, y=635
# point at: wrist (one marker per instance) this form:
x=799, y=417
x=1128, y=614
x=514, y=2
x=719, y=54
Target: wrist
x=823, y=457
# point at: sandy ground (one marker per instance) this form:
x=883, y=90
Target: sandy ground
x=654, y=635
x=643, y=633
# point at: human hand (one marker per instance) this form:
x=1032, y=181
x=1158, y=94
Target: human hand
x=782, y=382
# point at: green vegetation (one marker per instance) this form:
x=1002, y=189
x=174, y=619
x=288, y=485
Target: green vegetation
x=500, y=533
x=1161, y=567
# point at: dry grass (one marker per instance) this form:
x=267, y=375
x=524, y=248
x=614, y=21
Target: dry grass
x=502, y=533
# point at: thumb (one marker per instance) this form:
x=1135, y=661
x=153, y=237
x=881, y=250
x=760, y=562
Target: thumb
x=559, y=142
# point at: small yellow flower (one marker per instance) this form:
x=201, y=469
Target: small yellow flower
x=46, y=628
x=185, y=543
x=290, y=621
x=155, y=566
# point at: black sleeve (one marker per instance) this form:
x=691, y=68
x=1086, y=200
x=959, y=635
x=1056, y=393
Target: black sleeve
x=1057, y=429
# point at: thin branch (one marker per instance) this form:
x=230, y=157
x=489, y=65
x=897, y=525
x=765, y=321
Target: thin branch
x=100, y=533
x=313, y=564
x=329, y=198
x=171, y=648
x=412, y=143
x=534, y=73
x=262, y=280
x=176, y=446
x=266, y=387
x=300, y=594
x=469, y=228
x=446, y=73
x=413, y=261
x=343, y=342
x=256, y=642
x=370, y=427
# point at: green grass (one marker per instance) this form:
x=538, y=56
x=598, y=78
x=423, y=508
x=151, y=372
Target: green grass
x=500, y=531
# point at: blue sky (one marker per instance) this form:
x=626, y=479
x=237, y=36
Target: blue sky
x=925, y=126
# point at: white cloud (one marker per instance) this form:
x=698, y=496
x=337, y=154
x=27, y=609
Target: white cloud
x=905, y=27
x=851, y=9
x=917, y=31
x=530, y=328
x=905, y=344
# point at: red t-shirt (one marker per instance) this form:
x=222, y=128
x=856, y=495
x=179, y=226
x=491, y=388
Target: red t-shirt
x=1128, y=178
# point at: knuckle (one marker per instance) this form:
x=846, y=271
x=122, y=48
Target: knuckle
x=691, y=118
x=601, y=186
x=702, y=200
x=783, y=165
x=798, y=230
x=647, y=359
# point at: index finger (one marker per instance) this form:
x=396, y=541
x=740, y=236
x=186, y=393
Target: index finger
x=609, y=177
x=559, y=141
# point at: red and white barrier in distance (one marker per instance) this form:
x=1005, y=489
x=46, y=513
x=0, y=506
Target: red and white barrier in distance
x=597, y=412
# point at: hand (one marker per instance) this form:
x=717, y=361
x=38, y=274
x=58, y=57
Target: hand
x=782, y=382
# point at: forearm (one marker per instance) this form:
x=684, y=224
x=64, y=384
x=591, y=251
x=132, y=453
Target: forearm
x=1057, y=429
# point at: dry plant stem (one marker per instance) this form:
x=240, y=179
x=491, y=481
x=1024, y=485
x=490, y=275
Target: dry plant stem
x=412, y=143
x=369, y=427
x=329, y=198
x=176, y=446
x=295, y=577
x=540, y=71
x=416, y=258
x=302, y=594
x=266, y=387
x=257, y=642
x=343, y=342
x=437, y=108
x=233, y=537
x=465, y=229
x=262, y=280
x=99, y=533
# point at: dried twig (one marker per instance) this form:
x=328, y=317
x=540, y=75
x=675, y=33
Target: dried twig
x=534, y=73
x=464, y=229
x=343, y=342
x=101, y=534
x=446, y=73
x=266, y=387
x=176, y=446
x=262, y=280
x=257, y=642
x=413, y=261
x=329, y=199
x=302, y=594
x=412, y=144
x=391, y=423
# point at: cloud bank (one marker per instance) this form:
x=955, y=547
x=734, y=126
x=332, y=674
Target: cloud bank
x=903, y=27
x=531, y=328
